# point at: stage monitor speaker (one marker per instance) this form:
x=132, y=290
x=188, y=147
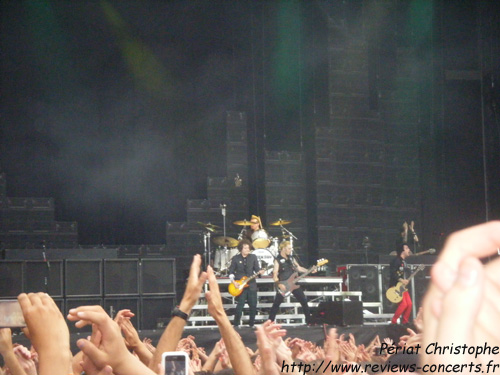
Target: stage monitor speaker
x=340, y=313
x=11, y=279
x=364, y=278
x=158, y=276
x=45, y=277
x=71, y=303
x=83, y=278
x=156, y=311
x=121, y=277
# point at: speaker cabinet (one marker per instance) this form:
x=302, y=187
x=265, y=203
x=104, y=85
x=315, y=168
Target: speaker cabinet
x=420, y=284
x=83, y=278
x=341, y=313
x=11, y=279
x=72, y=303
x=45, y=277
x=364, y=278
x=156, y=311
x=157, y=276
x=121, y=277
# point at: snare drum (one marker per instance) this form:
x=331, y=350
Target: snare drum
x=260, y=239
x=265, y=259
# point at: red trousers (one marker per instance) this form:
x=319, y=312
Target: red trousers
x=404, y=309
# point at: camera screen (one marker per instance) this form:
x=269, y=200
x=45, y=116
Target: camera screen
x=175, y=365
x=11, y=315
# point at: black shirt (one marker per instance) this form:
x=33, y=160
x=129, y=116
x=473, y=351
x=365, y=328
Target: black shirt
x=287, y=268
x=245, y=267
x=398, y=270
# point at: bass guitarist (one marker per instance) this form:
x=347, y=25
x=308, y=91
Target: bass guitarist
x=245, y=264
x=398, y=274
x=284, y=267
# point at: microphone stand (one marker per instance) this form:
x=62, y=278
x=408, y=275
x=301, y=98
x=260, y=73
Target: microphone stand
x=47, y=269
x=223, y=212
x=416, y=242
x=206, y=245
x=283, y=230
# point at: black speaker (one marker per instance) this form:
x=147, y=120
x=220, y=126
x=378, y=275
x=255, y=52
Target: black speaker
x=45, y=277
x=340, y=313
x=156, y=311
x=71, y=303
x=11, y=279
x=157, y=276
x=121, y=277
x=420, y=284
x=83, y=278
x=364, y=278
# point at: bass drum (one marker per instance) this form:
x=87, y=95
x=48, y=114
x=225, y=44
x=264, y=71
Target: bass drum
x=223, y=257
x=266, y=259
x=260, y=239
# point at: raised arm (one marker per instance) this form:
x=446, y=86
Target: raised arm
x=7, y=352
x=173, y=332
x=48, y=333
x=238, y=354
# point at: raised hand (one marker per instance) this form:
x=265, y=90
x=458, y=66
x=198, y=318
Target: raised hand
x=48, y=332
x=106, y=347
x=461, y=283
x=268, y=365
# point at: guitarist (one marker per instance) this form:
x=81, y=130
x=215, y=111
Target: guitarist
x=398, y=274
x=284, y=266
x=245, y=264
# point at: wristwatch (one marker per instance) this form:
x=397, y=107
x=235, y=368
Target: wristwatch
x=179, y=313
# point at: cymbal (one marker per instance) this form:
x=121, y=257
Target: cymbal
x=208, y=226
x=225, y=241
x=243, y=222
x=280, y=222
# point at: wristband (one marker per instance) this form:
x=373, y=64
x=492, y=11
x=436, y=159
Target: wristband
x=179, y=313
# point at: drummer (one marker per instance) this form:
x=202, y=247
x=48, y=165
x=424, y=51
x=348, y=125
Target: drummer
x=257, y=233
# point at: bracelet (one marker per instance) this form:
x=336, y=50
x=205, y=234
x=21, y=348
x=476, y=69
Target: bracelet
x=179, y=313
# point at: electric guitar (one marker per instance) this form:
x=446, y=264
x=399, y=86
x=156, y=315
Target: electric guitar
x=243, y=283
x=430, y=251
x=286, y=287
x=395, y=293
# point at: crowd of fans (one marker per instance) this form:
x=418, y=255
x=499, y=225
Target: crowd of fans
x=461, y=306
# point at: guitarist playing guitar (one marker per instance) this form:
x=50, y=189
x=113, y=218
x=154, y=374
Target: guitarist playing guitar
x=242, y=265
x=398, y=274
x=284, y=267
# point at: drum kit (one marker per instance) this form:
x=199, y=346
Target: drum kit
x=265, y=246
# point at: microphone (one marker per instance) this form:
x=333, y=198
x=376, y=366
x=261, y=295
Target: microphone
x=223, y=209
x=415, y=237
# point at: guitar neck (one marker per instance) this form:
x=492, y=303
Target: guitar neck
x=413, y=274
x=305, y=273
x=252, y=277
x=256, y=275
